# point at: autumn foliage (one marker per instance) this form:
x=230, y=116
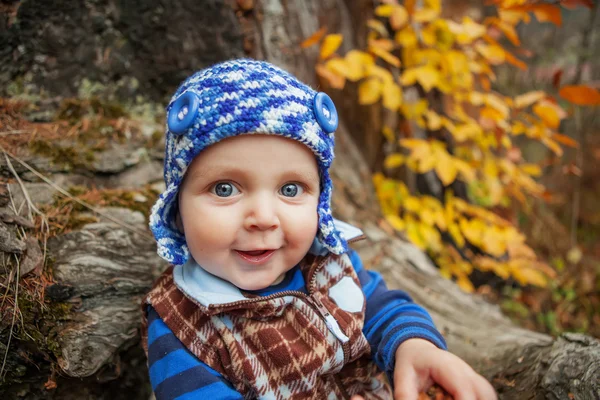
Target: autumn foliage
x=470, y=130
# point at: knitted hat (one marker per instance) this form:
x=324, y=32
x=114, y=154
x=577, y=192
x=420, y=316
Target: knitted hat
x=235, y=98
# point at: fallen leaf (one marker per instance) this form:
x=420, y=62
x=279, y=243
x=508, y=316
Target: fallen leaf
x=378, y=27
x=547, y=12
x=571, y=169
x=446, y=170
x=395, y=221
x=399, y=17
x=556, y=77
x=392, y=96
x=369, y=91
x=564, y=139
x=425, y=15
x=572, y=4
x=331, y=44
x=394, y=160
x=245, y=5
x=406, y=37
x=388, y=133
x=336, y=81
x=529, y=98
x=548, y=115
x=574, y=255
x=581, y=95
x=339, y=66
x=385, y=55
x=384, y=10
x=357, y=63
x=314, y=38
x=427, y=76
x=494, y=54
x=511, y=59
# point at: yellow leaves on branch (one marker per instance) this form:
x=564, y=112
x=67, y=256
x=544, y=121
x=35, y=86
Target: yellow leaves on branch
x=411, y=44
x=397, y=15
x=493, y=53
x=384, y=55
x=424, y=218
x=467, y=32
x=354, y=67
x=431, y=10
x=427, y=76
x=394, y=160
x=509, y=30
x=335, y=80
x=433, y=155
x=358, y=64
x=392, y=96
x=369, y=91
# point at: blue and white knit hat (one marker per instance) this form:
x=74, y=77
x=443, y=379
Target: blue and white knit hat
x=235, y=98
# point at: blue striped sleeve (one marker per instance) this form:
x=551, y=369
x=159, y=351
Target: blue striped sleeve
x=175, y=373
x=391, y=317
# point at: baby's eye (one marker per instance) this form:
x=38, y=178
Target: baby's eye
x=291, y=190
x=224, y=189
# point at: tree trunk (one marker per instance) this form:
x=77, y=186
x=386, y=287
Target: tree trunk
x=102, y=270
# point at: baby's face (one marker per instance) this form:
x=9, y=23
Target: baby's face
x=248, y=206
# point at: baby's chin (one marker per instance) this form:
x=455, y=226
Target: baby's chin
x=259, y=285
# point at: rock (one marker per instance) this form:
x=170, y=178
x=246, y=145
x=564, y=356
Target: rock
x=34, y=258
x=39, y=193
x=9, y=242
x=4, y=199
x=9, y=217
x=139, y=175
x=58, y=292
x=109, y=269
x=116, y=159
x=42, y=193
x=125, y=215
x=140, y=198
x=159, y=187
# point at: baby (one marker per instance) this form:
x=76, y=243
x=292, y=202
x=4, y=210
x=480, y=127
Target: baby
x=264, y=299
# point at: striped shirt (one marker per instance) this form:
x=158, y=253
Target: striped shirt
x=391, y=317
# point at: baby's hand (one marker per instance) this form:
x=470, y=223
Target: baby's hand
x=420, y=363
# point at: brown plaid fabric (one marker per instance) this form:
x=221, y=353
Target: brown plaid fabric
x=278, y=346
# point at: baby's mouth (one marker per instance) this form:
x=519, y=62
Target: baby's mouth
x=254, y=252
x=256, y=256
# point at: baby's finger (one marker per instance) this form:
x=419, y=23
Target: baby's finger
x=484, y=389
x=357, y=397
x=455, y=382
x=405, y=384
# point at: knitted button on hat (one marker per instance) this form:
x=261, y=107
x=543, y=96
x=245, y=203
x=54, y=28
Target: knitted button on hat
x=236, y=98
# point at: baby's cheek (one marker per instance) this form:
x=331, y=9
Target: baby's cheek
x=208, y=223
x=304, y=222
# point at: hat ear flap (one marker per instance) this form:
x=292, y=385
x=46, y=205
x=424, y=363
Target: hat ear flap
x=170, y=242
x=327, y=234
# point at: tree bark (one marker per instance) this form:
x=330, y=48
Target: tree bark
x=102, y=270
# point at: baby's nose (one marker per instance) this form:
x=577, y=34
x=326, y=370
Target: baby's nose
x=262, y=214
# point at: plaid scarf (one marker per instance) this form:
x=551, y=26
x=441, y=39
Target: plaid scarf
x=281, y=346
